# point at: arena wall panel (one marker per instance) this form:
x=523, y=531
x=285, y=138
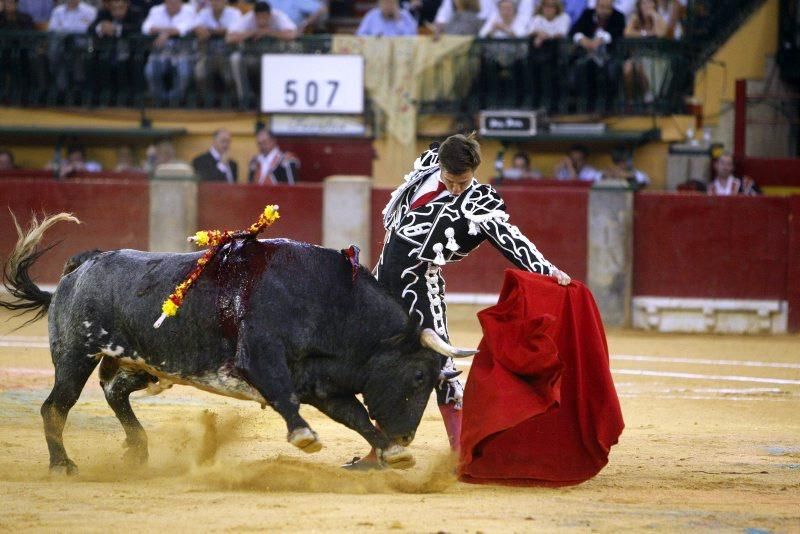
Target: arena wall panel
x=114, y=215
x=710, y=247
x=793, y=264
x=225, y=207
x=554, y=219
x=326, y=156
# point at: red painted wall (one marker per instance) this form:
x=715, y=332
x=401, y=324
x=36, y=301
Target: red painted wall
x=225, y=207
x=712, y=247
x=321, y=157
x=554, y=219
x=114, y=214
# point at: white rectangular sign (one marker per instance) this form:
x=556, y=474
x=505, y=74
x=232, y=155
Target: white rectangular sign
x=312, y=83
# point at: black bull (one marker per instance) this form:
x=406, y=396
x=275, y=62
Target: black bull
x=273, y=321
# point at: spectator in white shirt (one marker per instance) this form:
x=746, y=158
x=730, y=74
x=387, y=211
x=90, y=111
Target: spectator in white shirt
x=66, y=49
x=211, y=27
x=503, y=24
x=167, y=22
x=263, y=22
x=574, y=166
x=550, y=22
x=487, y=9
x=73, y=16
x=548, y=27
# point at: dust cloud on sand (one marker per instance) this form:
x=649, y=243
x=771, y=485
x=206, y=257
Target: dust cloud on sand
x=286, y=474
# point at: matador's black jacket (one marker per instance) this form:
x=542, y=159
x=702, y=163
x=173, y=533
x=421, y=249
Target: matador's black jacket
x=420, y=242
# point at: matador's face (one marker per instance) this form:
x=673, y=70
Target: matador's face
x=456, y=183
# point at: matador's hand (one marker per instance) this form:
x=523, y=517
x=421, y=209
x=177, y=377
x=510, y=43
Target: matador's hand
x=561, y=277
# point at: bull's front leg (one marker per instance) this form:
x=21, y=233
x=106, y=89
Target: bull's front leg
x=263, y=364
x=352, y=414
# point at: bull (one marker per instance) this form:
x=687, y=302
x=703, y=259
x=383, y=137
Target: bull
x=273, y=321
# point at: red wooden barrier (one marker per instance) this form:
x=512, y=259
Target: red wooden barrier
x=235, y=207
x=793, y=264
x=46, y=174
x=779, y=172
x=554, y=219
x=114, y=215
x=710, y=247
x=325, y=156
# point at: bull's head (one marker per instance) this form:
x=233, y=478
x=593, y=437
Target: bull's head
x=401, y=378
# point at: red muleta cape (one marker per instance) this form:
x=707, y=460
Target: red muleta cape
x=540, y=408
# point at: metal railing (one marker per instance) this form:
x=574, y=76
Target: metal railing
x=41, y=69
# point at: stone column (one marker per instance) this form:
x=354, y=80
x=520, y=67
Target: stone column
x=346, y=217
x=610, y=254
x=173, y=208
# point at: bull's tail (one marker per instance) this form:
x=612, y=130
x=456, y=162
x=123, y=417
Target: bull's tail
x=26, y=295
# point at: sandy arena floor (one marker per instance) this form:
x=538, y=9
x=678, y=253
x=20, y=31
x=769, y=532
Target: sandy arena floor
x=712, y=444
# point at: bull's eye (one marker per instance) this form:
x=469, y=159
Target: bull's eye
x=419, y=375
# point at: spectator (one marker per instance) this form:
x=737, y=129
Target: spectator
x=306, y=14
x=726, y=184
x=465, y=19
x=672, y=13
x=387, y=20
x=73, y=16
x=626, y=7
x=211, y=26
x=66, y=48
x=13, y=19
x=623, y=169
x=271, y=165
x=520, y=168
x=546, y=29
x=215, y=165
x=488, y=8
x=645, y=21
x=39, y=10
x=159, y=154
x=116, y=71
x=574, y=166
x=6, y=160
x=503, y=24
x=76, y=162
x=167, y=22
x=595, y=72
x=261, y=23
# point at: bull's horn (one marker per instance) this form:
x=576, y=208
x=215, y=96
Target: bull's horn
x=431, y=339
x=447, y=375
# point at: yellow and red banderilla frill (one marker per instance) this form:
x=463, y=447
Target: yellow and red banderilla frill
x=214, y=239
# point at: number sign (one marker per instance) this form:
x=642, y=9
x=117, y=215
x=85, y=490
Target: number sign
x=311, y=83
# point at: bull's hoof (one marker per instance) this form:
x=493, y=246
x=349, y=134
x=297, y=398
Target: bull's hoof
x=135, y=456
x=64, y=467
x=360, y=464
x=397, y=457
x=305, y=439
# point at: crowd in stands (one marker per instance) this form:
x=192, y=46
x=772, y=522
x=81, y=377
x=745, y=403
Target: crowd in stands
x=213, y=58
x=574, y=166
x=269, y=165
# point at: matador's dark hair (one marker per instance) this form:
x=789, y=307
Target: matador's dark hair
x=460, y=153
